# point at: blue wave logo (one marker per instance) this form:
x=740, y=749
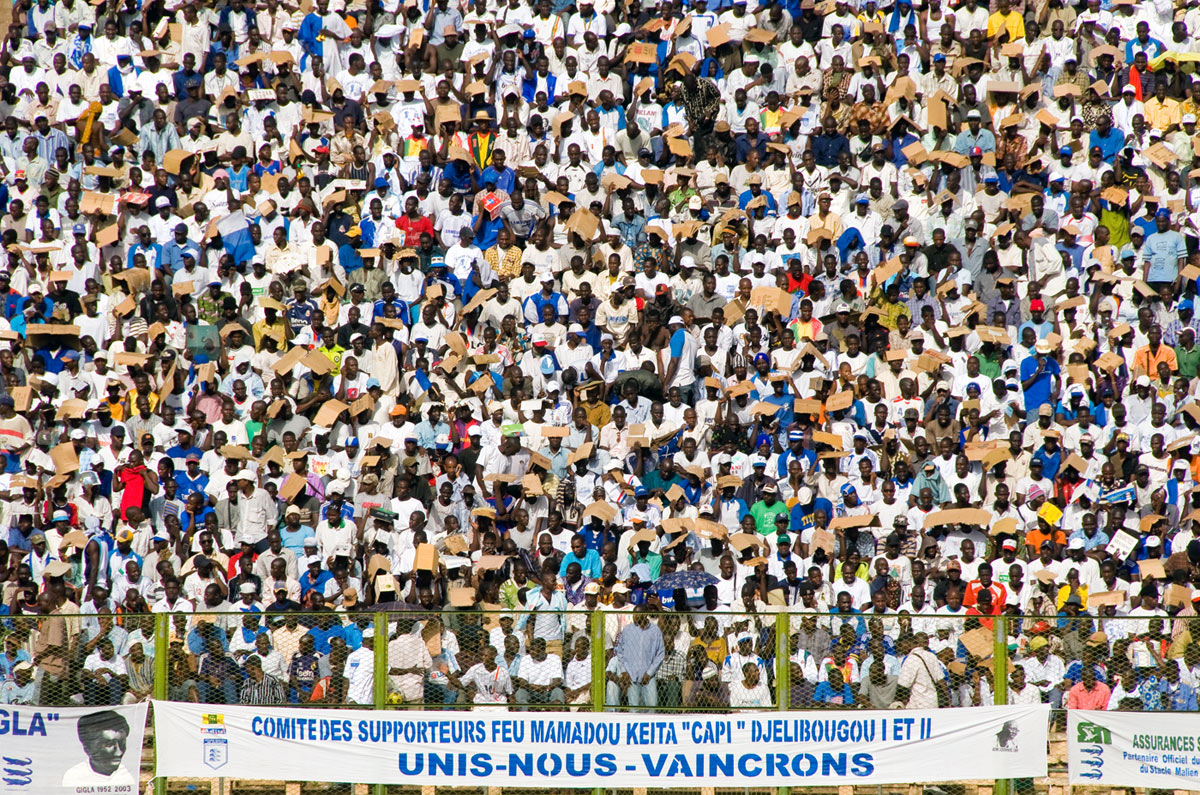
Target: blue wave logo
x=1093, y=762
x=18, y=772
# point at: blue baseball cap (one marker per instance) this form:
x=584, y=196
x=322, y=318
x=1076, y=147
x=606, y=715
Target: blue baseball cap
x=1128, y=252
x=939, y=57
x=641, y=491
x=371, y=382
x=1162, y=212
x=1185, y=304
x=1066, y=150
x=380, y=182
x=79, y=229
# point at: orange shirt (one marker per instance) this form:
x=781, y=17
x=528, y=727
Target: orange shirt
x=1035, y=537
x=1144, y=361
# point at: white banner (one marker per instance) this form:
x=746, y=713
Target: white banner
x=599, y=749
x=1156, y=750
x=71, y=749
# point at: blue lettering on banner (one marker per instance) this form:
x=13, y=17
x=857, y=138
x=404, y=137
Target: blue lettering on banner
x=482, y=766
x=23, y=724
x=613, y=750
x=751, y=765
x=781, y=730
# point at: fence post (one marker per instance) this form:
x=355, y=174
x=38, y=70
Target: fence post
x=599, y=664
x=1000, y=681
x=162, y=649
x=783, y=670
x=381, y=674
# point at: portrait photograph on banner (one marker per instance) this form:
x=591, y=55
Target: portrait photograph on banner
x=72, y=750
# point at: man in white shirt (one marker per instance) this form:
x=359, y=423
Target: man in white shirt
x=360, y=670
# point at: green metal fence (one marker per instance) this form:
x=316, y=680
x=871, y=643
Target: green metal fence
x=406, y=671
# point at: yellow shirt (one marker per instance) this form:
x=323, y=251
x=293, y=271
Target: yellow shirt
x=831, y=222
x=1161, y=115
x=1012, y=23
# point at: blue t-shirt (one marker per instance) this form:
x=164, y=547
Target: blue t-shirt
x=1051, y=462
x=1039, y=391
x=188, y=484
x=590, y=565
x=295, y=540
x=1164, y=250
x=307, y=585
x=802, y=516
x=321, y=637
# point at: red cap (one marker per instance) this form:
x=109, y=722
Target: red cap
x=1036, y=305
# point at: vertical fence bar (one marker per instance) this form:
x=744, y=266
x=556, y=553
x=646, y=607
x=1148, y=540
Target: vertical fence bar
x=380, y=675
x=599, y=664
x=162, y=649
x=783, y=671
x=1000, y=682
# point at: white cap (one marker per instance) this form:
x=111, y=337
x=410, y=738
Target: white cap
x=311, y=559
x=247, y=587
x=1075, y=543
x=1142, y=380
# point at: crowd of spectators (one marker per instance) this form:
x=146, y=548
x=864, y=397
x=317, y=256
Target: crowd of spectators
x=869, y=322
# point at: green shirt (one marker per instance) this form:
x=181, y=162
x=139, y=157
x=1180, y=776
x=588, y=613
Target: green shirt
x=764, y=516
x=1188, y=361
x=678, y=197
x=652, y=559
x=988, y=367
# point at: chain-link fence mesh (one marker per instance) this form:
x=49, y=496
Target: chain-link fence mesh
x=612, y=658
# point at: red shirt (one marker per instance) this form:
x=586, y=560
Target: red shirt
x=412, y=229
x=800, y=284
x=134, y=493
x=999, y=595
